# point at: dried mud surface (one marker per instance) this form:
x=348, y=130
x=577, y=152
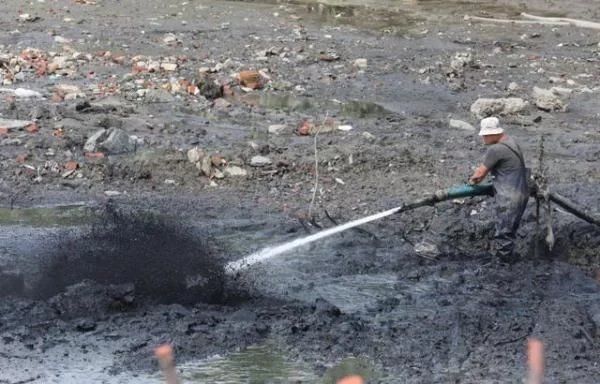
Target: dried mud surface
x=87, y=313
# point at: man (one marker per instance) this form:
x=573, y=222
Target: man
x=505, y=161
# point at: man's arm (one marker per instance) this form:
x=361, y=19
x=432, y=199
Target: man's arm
x=479, y=174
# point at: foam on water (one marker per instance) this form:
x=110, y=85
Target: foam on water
x=269, y=252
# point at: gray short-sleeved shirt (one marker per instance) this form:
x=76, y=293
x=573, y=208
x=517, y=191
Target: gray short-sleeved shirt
x=500, y=160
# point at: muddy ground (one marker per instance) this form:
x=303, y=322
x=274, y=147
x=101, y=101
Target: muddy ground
x=408, y=295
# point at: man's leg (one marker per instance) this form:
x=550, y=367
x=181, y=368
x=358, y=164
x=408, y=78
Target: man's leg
x=504, y=238
x=504, y=244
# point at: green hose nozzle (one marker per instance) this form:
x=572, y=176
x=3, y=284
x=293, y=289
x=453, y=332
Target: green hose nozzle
x=468, y=190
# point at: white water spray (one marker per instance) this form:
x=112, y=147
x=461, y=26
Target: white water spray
x=269, y=252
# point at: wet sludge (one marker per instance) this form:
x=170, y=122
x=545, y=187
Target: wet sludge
x=165, y=260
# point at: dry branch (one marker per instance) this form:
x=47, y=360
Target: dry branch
x=574, y=22
x=509, y=21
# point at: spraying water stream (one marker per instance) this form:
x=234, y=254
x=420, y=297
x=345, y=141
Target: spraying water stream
x=269, y=252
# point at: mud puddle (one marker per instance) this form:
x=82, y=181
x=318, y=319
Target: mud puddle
x=257, y=364
x=44, y=216
x=394, y=17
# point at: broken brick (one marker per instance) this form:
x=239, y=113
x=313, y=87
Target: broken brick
x=94, y=155
x=71, y=165
x=22, y=158
x=250, y=79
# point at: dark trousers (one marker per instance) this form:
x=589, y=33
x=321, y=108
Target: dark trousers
x=508, y=219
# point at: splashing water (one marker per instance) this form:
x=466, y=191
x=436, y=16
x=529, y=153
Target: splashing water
x=269, y=252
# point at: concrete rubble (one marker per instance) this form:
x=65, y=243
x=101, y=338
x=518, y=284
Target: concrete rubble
x=485, y=107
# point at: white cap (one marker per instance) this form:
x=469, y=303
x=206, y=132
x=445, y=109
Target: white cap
x=490, y=126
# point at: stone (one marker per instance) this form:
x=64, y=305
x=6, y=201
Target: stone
x=68, y=92
x=485, y=107
x=112, y=140
x=344, y=128
x=10, y=125
x=369, y=136
x=91, y=145
x=235, y=171
x=460, y=61
x=276, y=129
x=205, y=166
x=561, y=91
x=85, y=325
x=547, y=101
x=169, y=67
x=463, y=125
x=217, y=174
x=158, y=96
x=260, y=161
x=426, y=248
x=513, y=87
x=25, y=93
x=170, y=39
x=210, y=89
x=195, y=155
x=361, y=63
x=221, y=104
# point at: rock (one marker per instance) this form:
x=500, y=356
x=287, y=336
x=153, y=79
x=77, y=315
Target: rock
x=28, y=17
x=503, y=106
x=169, y=67
x=68, y=92
x=26, y=93
x=61, y=40
x=460, y=61
x=10, y=125
x=21, y=92
x=547, y=101
x=361, y=63
x=91, y=144
x=210, y=89
x=158, y=96
x=276, y=129
x=205, y=166
x=260, y=161
x=369, y=136
x=85, y=325
x=170, y=39
x=221, y=104
x=235, y=171
x=561, y=91
x=195, y=155
x=513, y=87
x=112, y=141
x=217, y=174
x=344, y=128
x=426, y=249
x=463, y=125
